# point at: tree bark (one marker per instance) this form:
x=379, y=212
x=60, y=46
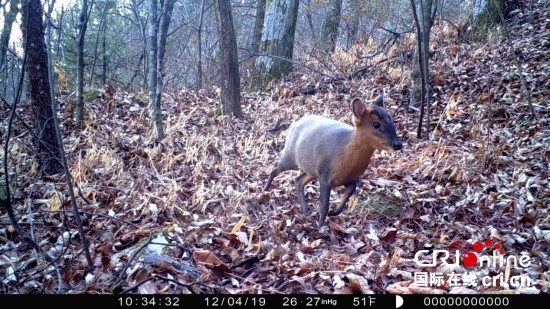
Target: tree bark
x=104, y=64
x=330, y=27
x=156, y=111
x=230, y=95
x=277, y=40
x=167, y=8
x=258, y=27
x=142, y=25
x=58, y=49
x=82, y=25
x=420, y=76
x=420, y=67
x=353, y=24
x=39, y=88
x=9, y=18
x=49, y=48
x=199, y=46
x=102, y=24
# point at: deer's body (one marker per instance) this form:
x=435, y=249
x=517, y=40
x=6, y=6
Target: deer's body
x=335, y=153
x=337, y=157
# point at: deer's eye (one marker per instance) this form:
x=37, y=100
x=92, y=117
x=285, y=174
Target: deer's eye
x=376, y=125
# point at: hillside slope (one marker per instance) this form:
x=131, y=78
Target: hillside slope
x=482, y=176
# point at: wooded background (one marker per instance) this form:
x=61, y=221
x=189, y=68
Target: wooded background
x=133, y=123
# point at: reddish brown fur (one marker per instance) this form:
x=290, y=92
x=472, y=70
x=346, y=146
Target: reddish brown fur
x=355, y=158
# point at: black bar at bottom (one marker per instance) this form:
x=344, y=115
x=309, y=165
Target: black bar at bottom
x=276, y=301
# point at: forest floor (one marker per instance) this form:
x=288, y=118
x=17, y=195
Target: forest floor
x=189, y=215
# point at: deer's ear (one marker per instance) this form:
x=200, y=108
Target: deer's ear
x=379, y=101
x=358, y=108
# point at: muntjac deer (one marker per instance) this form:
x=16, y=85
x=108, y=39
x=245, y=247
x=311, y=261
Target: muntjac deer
x=335, y=153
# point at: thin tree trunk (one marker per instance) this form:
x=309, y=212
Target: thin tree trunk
x=353, y=24
x=9, y=18
x=254, y=44
x=58, y=48
x=419, y=38
x=104, y=72
x=258, y=27
x=136, y=71
x=330, y=27
x=167, y=8
x=156, y=111
x=82, y=25
x=230, y=80
x=99, y=30
x=429, y=11
x=143, y=30
x=39, y=88
x=48, y=47
x=309, y=18
x=199, y=37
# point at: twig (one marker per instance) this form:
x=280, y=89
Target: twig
x=31, y=131
x=132, y=257
x=173, y=281
x=68, y=178
x=136, y=285
x=294, y=62
x=95, y=214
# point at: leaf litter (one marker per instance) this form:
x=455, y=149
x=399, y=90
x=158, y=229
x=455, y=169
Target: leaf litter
x=196, y=197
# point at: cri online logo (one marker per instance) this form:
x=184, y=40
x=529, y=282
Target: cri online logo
x=471, y=259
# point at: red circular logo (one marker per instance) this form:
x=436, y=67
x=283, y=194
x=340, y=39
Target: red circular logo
x=469, y=259
x=478, y=246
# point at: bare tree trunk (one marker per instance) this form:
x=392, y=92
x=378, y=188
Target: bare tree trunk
x=9, y=18
x=277, y=40
x=167, y=8
x=230, y=80
x=416, y=76
x=156, y=111
x=353, y=24
x=58, y=48
x=48, y=47
x=420, y=66
x=39, y=88
x=199, y=37
x=82, y=25
x=104, y=48
x=420, y=75
x=136, y=71
x=258, y=27
x=428, y=15
x=254, y=44
x=330, y=27
x=99, y=31
x=314, y=36
x=134, y=7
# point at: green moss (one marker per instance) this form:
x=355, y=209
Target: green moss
x=90, y=94
x=3, y=189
